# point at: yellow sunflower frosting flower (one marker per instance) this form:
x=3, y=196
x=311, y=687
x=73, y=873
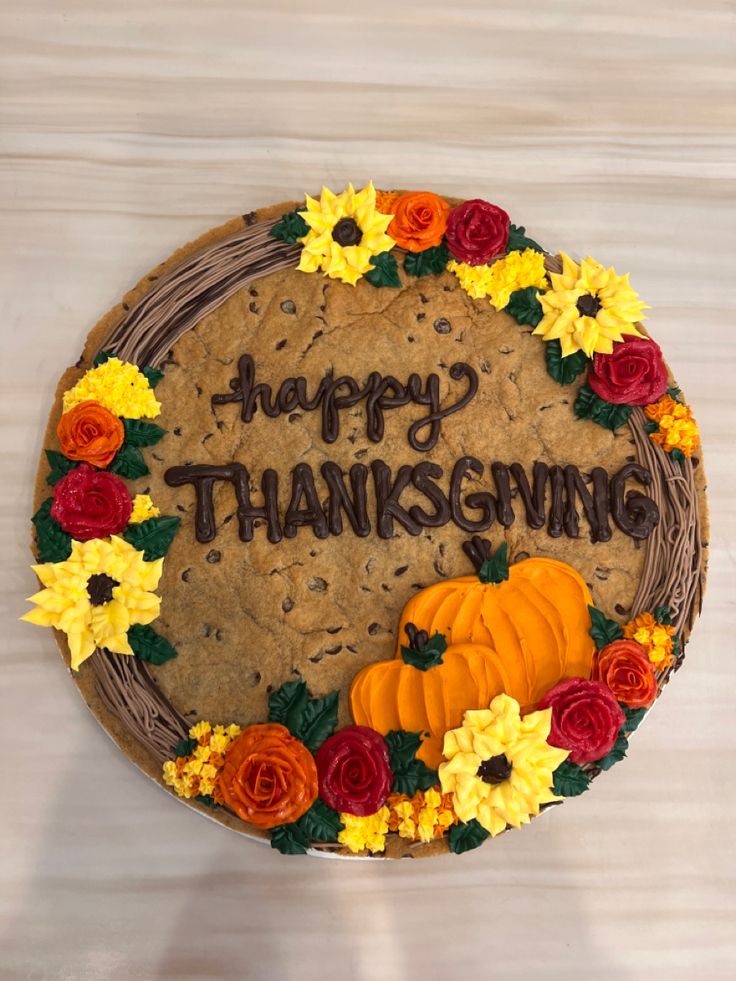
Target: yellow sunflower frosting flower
x=499, y=766
x=361, y=833
x=588, y=308
x=498, y=281
x=96, y=595
x=143, y=509
x=345, y=232
x=121, y=387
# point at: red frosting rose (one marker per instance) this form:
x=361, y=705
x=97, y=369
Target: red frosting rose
x=354, y=772
x=477, y=231
x=586, y=718
x=633, y=374
x=91, y=503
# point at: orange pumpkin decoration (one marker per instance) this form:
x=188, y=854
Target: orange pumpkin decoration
x=515, y=630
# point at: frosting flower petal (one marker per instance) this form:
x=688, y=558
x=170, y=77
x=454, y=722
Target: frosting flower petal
x=499, y=766
x=354, y=772
x=195, y=773
x=633, y=374
x=656, y=639
x=364, y=833
x=677, y=430
x=625, y=669
x=420, y=219
x=90, y=432
x=477, y=231
x=345, y=233
x=96, y=595
x=269, y=777
x=119, y=386
x=91, y=503
x=588, y=308
x=143, y=509
x=586, y=718
x=498, y=281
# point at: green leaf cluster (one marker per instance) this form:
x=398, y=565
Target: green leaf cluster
x=602, y=630
x=496, y=568
x=466, y=835
x=430, y=262
x=633, y=718
x=185, y=747
x=148, y=645
x=129, y=463
x=617, y=753
x=290, y=228
x=429, y=656
x=384, y=272
x=409, y=773
x=141, y=433
x=320, y=823
x=60, y=466
x=311, y=720
x=589, y=406
x=570, y=780
x=524, y=306
x=53, y=543
x=563, y=370
x=154, y=375
x=152, y=537
x=519, y=240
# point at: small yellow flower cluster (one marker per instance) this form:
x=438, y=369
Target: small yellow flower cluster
x=498, y=281
x=143, y=509
x=422, y=817
x=361, y=833
x=677, y=428
x=195, y=775
x=655, y=638
x=119, y=386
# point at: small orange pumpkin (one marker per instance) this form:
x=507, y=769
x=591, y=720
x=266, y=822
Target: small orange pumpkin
x=426, y=689
x=515, y=630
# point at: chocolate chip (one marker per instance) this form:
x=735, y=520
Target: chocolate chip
x=442, y=325
x=254, y=679
x=316, y=584
x=281, y=345
x=401, y=570
x=186, y=574
x=373, y=628
x=288, y=306
x=287, y=605
x=214, y=555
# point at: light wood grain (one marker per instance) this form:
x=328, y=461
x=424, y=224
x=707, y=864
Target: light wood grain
x=126, y=129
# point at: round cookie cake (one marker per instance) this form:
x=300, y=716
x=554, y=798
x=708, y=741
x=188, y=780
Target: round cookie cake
x=415, y=541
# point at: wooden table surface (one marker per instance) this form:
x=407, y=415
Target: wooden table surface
x=128, y=127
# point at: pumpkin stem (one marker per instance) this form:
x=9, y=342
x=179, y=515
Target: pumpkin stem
x=491, y=568
x=424, y=653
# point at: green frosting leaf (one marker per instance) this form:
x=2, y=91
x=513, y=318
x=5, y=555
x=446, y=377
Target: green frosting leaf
x=429, y=656
x=602, y=630
x=465, y=836
x=524, y=306
x=674, y=393
x=60, y=466
x=430, y=262
x=384, y=271
x=140, y=433
x=287, y=703
x=291, y=227
x=495, y=569
x=651, y=427
x=633, y=718
x=102, y=357
x=677, y=647
x=153, y=375
x=563, y=370
x=518, y=240
x=318, y=721
x=54, y=544
x=152, y=537
x=677, y=455
x=208, y=800
x=148, y=645
x=289, y=839
x=589, y=406
x=129, y=463
x=185, y=747
x=409, y=773
x=310, y=720
x=570, y=780
x=617, y=753
x=320, y=823
x=663, y=615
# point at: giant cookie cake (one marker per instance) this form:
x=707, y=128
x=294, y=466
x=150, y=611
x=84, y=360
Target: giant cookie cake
x=366, y=524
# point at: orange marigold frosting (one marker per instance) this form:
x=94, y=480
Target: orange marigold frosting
x=420, y=219
x=655, y=638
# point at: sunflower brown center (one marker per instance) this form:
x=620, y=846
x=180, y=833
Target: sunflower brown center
x=588, y=305
x=100, y=587
x=495, y=770
x=347, y=232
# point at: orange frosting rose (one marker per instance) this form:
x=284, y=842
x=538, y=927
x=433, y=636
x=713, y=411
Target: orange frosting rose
x=625, y=669
x=269, y=777
x=91, y=433
x=420, y=219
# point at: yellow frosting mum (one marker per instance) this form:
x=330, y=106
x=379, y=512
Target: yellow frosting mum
x=655, y=638
x=143, y=509
x=195, y=775
x=65, y=602
x=498, y=281
x=344, y=262
x=677, y=428
x=500, y=732
x=361, y=833
x=121, y=387
x=588, y=308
